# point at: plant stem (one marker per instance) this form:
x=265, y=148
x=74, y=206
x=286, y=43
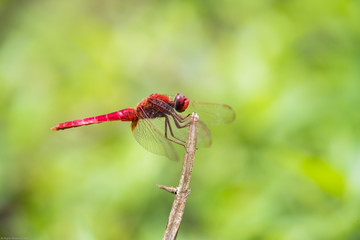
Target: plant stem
x=182, y=191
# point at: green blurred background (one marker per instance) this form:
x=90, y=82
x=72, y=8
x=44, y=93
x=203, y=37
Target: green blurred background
x=287, y=168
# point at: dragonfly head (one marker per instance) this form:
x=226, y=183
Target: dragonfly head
x=181, y=102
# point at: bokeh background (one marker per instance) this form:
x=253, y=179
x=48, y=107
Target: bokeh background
x=287, y=168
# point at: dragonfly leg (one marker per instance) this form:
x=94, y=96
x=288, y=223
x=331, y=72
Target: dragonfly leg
x=168, y=125
x=177, y=124
x=181, y=118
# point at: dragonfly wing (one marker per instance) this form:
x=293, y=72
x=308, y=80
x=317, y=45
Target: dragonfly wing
x=204, y=135
x=152, y=139
x=212, y=113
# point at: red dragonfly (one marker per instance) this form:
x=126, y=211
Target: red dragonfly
x=159, y=121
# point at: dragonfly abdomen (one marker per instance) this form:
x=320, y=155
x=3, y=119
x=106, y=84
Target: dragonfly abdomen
x=127, y=114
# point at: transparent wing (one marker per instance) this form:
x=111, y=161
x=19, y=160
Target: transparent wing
x=150, y=134
x=211, y=113
x=150, y=138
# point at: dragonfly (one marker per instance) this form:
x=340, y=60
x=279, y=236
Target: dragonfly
x=159, y=122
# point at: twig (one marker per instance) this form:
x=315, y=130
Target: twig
x=182, y=191
x=168, y=189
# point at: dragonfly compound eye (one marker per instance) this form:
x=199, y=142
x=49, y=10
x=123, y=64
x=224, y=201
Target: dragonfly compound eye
x=181, y=102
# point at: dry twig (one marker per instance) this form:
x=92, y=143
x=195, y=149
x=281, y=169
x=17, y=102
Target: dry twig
x=182, y=191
